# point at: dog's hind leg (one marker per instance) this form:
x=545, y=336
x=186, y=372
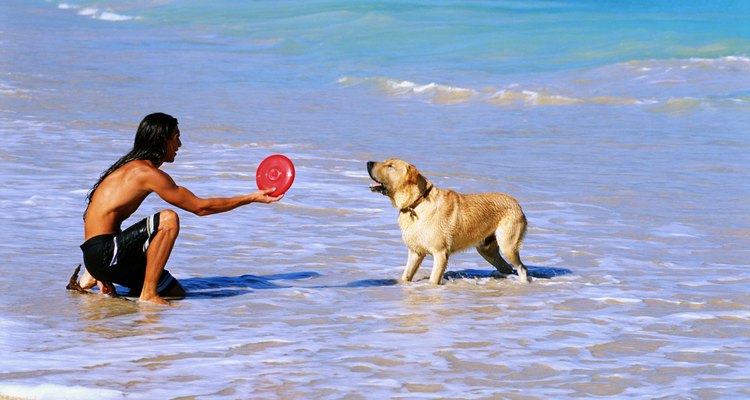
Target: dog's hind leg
x=439, y=264
x=515, y=259
x=511, y=246
x=491, y=252
x=412, y=265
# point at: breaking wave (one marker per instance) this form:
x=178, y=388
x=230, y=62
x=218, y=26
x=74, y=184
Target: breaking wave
x=665, y=85
x=104, y=15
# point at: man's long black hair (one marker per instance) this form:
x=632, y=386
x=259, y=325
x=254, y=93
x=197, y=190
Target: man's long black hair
x=150, y=144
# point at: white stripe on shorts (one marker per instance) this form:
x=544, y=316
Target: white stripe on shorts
x=150, y=231
x=114, y=253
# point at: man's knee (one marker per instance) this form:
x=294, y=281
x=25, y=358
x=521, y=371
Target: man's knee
x=169, y=220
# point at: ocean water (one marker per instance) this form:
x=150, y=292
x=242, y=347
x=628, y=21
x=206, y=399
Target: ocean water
x=623, y=129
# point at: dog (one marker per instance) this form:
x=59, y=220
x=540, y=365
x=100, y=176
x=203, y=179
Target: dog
x=442, y=222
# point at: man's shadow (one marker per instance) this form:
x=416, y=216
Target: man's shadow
x=228, y=286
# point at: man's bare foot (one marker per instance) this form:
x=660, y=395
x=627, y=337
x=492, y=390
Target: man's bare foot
x=73, y=282
x=87, y=281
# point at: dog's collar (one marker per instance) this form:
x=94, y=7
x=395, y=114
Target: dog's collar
x=410, y=208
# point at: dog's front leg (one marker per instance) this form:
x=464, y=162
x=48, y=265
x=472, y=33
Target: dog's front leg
x=412, y=265
x=439, y=263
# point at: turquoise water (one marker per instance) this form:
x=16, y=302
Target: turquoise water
x=621, y=128
x=497, y=37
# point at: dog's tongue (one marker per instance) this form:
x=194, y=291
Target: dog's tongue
x=376, y=186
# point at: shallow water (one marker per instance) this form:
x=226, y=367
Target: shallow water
x=631, y=165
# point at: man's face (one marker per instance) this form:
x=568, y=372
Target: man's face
x=173, y=143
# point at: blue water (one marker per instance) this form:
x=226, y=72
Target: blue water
x=495, y=37
x=621, y=128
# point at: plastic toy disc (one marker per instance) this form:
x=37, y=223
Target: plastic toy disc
x=276, y=171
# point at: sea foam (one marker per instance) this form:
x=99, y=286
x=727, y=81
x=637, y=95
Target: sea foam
x=96, y=13
x=58, y=392
x=513, y=94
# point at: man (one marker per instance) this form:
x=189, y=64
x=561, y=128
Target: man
x=136, y=257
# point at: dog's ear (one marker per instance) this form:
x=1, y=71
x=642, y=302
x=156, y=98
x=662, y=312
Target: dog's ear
x=416, y=184
x=414, y=177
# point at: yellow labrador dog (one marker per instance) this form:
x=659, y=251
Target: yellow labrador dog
x=441, y=222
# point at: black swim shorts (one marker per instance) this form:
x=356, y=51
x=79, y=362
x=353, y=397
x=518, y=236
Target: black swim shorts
x=121, y=257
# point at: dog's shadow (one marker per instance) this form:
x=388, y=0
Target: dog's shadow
x=229, y=286
x=534, y=272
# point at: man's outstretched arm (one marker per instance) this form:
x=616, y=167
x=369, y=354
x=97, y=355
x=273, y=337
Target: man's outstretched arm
x=163, y=185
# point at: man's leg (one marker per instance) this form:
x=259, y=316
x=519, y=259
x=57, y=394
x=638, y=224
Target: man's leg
x=158, y=253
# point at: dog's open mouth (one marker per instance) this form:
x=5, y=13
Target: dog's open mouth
x=378, y=187
x=375, y=186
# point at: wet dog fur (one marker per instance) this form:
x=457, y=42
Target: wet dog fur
x=441, y=222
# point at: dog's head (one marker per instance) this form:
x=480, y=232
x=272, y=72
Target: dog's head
x=398, y=180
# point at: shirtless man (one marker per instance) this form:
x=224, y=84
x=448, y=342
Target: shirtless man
x=136, y=257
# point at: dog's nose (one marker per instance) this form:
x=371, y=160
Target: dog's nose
x=370, y=164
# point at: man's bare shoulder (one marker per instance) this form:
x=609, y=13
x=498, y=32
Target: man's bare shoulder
x=147, y=174
x=139, y=166
x=141, y=169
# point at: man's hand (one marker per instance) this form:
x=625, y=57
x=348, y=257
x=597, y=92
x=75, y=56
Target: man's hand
x=87, y=282
x=107, y=288
x=262, y=196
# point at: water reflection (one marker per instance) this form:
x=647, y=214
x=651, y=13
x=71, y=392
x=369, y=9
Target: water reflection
x=97, y=313
x=93, y=307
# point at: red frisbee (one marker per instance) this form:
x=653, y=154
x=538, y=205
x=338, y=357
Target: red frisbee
x=276, y=171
